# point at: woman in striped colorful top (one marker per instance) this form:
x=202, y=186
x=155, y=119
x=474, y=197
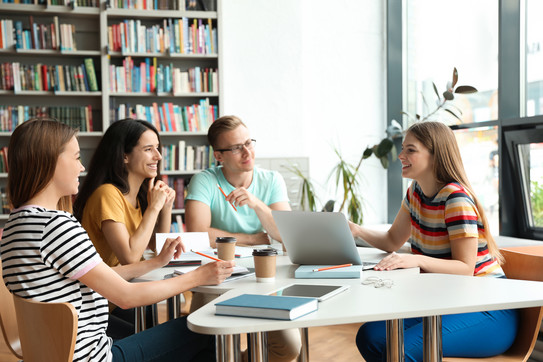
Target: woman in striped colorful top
x=446, y=226
x=47, y=256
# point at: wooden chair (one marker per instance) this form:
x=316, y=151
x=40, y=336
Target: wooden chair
x=47, y=330
x=8, y=321
x=526, y=263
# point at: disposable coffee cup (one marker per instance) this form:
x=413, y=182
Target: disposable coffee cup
x=265, y=265
x=226, y=247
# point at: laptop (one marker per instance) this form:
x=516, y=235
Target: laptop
x=316, y=238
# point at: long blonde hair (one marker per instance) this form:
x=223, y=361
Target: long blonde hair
x=440, y=141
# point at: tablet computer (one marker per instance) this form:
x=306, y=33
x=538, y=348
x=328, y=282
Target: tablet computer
x=319, y=291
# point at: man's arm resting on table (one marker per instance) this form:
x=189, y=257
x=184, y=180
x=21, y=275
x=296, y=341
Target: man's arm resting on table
x=198, y=219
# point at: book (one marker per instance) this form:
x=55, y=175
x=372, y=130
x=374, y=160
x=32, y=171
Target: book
x=267, y=306
x=350, y=272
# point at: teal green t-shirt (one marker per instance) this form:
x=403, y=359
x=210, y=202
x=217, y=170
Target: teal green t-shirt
x=267, y=186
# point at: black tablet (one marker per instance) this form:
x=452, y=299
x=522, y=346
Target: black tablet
x=319, y=291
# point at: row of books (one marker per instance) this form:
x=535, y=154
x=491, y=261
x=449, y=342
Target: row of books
x=6, y=209
x=4, y=159
x=182, y=157
x=178, y=184
x=45, y=36
x=7, y=39
x=148, y=4
x=74, y=3
x=40, y=77
x=175, y=36
x=178, y=226
x=79, y=117
x=170, y=117
x=160, y=78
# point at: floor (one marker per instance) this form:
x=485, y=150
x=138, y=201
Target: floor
x=332, y=343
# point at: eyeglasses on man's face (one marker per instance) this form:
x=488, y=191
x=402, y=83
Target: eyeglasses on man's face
x=250, y=144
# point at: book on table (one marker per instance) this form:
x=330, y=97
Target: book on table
x=267, y=306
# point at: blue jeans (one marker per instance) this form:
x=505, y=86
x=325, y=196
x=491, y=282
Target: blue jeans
x=169, y=341
x=480, y=334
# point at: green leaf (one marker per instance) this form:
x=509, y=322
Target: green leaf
x=367, y=153
x=435, y=90
x=465, y=89
x=454, y=114
x=384, y=161
x=455, y=77
x=448, y=95
x=384, y=147
x=393, y=153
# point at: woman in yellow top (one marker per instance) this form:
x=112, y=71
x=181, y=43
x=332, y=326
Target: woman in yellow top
x=120, y=204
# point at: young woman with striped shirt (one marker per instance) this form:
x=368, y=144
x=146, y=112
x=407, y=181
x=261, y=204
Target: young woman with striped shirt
x=47, y=256
x=446, y=226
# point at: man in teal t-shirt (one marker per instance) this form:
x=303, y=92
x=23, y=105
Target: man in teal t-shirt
x=245, y=211
x=252, y=193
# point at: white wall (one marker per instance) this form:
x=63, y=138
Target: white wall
x=307, y=76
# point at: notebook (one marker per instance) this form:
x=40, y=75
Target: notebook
x=317, y=238
x=193, y=240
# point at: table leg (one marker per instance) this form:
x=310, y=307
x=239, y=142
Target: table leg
x=258, y=342
x=236, y=347
x=227, y=348
x=173, y=306
x=140, y=319
x=304, y=353
x=432, y=342
x=395, y=352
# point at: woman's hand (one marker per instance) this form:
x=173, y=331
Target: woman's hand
x=158, y=194
x=172, y=249
x=215, y=273
x=170, y=197
x=397, y=261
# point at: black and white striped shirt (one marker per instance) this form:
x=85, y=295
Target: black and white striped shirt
x=44, y=252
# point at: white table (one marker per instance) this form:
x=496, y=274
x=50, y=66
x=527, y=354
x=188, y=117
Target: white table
x=412, y=295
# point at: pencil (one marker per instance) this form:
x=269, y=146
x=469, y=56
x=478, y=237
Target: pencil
x=225, y=196
x=332, y=267
x=207, y=256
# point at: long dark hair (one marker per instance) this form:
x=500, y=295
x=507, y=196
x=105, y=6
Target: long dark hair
x=107, y=164
x=34, y=148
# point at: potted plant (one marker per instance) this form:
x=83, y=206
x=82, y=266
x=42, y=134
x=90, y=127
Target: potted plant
x=346, y=176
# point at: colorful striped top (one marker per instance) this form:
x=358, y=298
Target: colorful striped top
x=449, y=215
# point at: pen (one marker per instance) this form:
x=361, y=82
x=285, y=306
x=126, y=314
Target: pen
x=225, y=196
x=332, y=267
x=207, y=256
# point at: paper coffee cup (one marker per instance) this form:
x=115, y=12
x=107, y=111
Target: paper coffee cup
x=226, y=247
x=264, y=260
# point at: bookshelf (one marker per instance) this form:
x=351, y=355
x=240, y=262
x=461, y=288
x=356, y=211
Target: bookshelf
x=157, y=60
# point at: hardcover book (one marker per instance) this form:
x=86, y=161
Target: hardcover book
x=267, y=306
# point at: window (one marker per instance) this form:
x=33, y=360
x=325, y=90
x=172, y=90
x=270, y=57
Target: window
x=525, y=151
x=534, y=58
x=479, y=150
x=442, y=35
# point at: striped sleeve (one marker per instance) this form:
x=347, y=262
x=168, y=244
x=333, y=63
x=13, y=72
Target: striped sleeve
x=461, y=216
x=66, y=247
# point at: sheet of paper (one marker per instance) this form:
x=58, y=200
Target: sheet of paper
x=195, y=241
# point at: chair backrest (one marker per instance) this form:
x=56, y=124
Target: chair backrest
x=525, y=266
x=47, y=330
x=8, y=320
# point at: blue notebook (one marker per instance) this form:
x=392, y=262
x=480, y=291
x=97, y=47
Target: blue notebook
x=350, y=272
x=267, y=306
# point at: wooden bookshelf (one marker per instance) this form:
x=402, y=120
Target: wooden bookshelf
x=199, y=50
